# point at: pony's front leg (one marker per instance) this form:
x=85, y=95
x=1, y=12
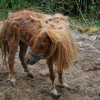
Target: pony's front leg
x=11, y=58
x=52, y=77
x=23, y=49
x=62, y=83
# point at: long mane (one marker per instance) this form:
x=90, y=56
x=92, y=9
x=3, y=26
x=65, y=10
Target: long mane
x=63, y=48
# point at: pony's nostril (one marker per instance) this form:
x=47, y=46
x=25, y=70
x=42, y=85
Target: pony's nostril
x=27, y=60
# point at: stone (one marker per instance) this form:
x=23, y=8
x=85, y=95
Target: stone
x=44, y=72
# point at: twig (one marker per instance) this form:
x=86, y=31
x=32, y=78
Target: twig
x=80, y=12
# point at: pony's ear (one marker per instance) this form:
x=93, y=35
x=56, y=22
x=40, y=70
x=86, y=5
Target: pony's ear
x=38, y=22
x=34, y=19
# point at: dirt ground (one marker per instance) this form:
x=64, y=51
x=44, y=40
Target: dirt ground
x=83, y=76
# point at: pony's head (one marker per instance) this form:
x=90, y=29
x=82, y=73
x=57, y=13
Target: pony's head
x=52, y=39
x=42, y=41
x=39, y=49
x=43, y=45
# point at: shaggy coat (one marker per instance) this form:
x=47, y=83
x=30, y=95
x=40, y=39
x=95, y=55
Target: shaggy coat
x=25, y=28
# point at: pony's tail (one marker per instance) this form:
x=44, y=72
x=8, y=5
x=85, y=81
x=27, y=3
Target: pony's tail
x=3, y=44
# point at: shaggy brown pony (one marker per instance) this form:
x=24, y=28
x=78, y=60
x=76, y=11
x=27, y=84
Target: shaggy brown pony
x=49, y=38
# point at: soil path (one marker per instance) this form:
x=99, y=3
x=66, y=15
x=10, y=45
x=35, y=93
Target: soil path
x=83, y=76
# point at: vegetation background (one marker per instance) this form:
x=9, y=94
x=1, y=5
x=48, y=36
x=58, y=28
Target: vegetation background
x=82, y=13
x=83, y=77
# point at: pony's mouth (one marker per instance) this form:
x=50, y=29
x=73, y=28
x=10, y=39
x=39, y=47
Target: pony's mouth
x=31, y=61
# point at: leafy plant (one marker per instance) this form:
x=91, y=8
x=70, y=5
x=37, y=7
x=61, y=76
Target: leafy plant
x=86, y=10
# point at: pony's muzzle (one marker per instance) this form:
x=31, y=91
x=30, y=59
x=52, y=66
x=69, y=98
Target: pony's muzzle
x=31, y=61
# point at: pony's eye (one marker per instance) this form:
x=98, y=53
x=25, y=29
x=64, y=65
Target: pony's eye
x=42, y=46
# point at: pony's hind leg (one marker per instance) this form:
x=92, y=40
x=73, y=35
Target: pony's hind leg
x=62, y=83
x=23, y=49
x=12, y=51
x=52, y=77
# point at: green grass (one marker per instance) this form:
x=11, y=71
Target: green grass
x=4, y=13
x=76, y=23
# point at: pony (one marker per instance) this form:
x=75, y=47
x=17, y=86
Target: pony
x=48, y=37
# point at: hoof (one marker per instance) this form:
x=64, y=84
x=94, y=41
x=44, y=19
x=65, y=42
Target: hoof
x=56, y=96
x=66, y=86
x=69, y=88
x=13, y=84
x=31, y=75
